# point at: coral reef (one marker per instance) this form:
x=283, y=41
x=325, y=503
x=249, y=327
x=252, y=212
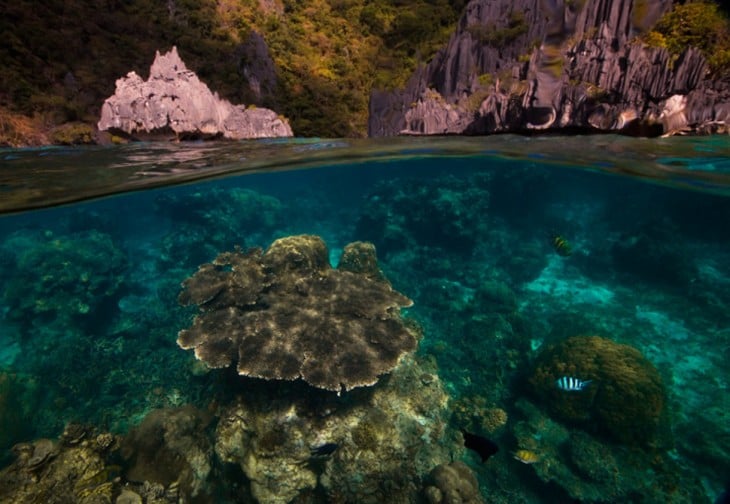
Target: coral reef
x=625, y=400
x=215, y=219
x=62, y=279
x=359, y=257
x=453, y=483
x=446, y=213
x=287, y=314
x=495, y=297
x=385, y=438
x=588, y=469
x=474, y=413
x=81, y=467
x=169, y=446
x=74, y=469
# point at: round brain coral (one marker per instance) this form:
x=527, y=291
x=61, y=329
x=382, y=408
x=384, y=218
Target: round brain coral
x=625, y=399
x=287, y=314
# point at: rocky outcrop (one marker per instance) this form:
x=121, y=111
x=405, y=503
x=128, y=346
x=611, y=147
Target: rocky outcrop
x=590, y=73
x=174, y=102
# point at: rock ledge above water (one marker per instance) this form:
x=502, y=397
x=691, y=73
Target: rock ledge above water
x=175, y=103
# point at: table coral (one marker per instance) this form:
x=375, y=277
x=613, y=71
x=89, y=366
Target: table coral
x=625, y=399
x=287, y=314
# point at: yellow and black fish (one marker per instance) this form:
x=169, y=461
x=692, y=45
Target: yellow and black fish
x=526, y=456
x=561, y=246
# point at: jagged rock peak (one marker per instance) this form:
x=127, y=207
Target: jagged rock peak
x=168, y=66
x=175, y=103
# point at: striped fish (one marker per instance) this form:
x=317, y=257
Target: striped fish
x=570, y=384
x=526, y=456
x=561, y=246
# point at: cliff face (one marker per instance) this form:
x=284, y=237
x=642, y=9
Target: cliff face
x=589, y=73
x=314, y=62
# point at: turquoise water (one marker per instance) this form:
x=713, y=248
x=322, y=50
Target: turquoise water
x=527, y=259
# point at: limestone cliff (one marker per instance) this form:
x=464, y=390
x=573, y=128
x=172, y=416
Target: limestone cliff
x=174, y=102
x=543, y=65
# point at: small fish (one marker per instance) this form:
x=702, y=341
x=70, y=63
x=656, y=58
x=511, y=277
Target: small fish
x=570, y=384
x=526, y=456
x=484, y=447
x=324, y=450
x=561, y=246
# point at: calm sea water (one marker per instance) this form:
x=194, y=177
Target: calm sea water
x=527, y=259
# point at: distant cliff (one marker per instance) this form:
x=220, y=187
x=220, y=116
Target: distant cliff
x=314, y=62
x=524, y=66
x=175, y=103
x=508, y=66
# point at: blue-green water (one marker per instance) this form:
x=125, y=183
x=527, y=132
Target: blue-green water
x=516, y=252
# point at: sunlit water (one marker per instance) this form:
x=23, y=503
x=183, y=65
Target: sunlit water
x=508, y=247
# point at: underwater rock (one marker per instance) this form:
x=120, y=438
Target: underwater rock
x=387, y=438
x=625, y=399
x=170, y=446
x=175, y=102
x=287, y=314
x=453, y=483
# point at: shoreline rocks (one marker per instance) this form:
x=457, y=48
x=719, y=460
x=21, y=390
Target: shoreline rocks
x=174, y=103
x=590, y=74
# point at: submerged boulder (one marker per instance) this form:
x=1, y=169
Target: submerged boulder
x=287, y=314
x=175, y=102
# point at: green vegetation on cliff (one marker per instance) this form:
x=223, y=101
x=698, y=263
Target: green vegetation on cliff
x=59, y=59
x=698, y=23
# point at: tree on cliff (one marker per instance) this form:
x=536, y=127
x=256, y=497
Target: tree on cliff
x=60, y=59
